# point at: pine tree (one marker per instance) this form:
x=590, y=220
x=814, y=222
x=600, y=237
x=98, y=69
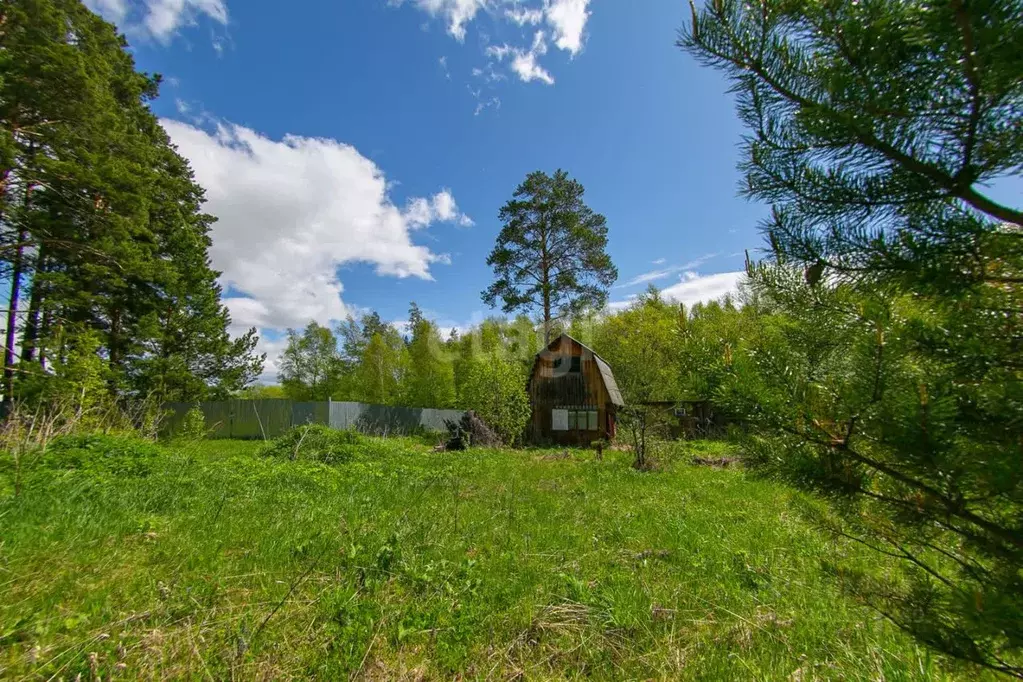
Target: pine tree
x=551, y=253
x=101, y=218
x=891, y=381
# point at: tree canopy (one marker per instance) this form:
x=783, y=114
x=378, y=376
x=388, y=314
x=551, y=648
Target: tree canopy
x=101, y=224
x=551, y=253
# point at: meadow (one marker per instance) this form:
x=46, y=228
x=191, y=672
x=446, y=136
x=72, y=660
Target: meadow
x=121, y=559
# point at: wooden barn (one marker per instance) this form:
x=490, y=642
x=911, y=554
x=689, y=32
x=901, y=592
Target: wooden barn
x=574, y=395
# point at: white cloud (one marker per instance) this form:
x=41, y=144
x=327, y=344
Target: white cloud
x=646, y=277
x=524, y=15
x=654, y=275
x=702, y=288
x=291, y=212
x=483, y=104
x=457, y=13
x=441, y=207
x=443, y=61
x=564, y=21
x=694, y=288
x=111, y=10
x=568, y=19
x=499, y=52
x=273, y=349
x=488, y=74
x=160, y=19
x=524, y=62
x=659, y=261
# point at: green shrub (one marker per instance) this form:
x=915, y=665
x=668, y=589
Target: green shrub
x=495, y=390
x=314, y=442
x=119, y=455
x=194, y=424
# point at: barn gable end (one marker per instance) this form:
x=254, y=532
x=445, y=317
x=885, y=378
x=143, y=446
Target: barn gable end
x=573, y=393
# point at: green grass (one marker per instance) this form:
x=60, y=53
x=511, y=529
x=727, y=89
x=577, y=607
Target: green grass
x=207, y=561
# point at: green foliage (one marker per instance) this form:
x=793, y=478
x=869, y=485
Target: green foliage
x=101, y=227
x=430, y=562
x=382, y=368
x=641, y=345
x=311, y=364
x=430, y=379
x=315, y=443
x=494, y=389
x=551, y=253
x=81, y=379
x=888, y=377
x=97, y=454
x=194, y=424
x=263, y=392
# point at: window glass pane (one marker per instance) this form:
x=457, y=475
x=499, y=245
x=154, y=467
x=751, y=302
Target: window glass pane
x=559, y=420
x=594, y=425
x=576, y=363
x=573, y=420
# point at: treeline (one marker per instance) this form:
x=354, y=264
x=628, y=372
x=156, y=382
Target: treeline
x=102, y=238
x=659, y=351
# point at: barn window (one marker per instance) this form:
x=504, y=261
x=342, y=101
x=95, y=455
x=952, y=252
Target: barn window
x=574, y=364
x=583, y=420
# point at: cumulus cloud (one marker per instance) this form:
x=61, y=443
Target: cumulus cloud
x=440, y=207
x=160, y=19
x=292, y=211
x=696, y=288
x=568, y=20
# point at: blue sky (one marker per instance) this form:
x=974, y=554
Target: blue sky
x=357, y=151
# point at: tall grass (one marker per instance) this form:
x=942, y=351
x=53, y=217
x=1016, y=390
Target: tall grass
x=207, y=561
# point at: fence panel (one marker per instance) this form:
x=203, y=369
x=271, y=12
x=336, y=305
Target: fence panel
x=270, y=417
x=310, y=413
x=266, y=418
x=389, y=420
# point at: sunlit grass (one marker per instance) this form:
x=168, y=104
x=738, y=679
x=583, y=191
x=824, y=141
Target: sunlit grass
x=211, y=562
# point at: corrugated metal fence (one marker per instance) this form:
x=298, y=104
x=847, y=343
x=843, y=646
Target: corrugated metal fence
x=269, y=418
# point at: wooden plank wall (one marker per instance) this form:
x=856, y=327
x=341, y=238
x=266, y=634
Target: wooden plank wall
x=549, y=390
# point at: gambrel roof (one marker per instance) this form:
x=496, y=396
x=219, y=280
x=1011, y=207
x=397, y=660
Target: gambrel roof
x=606, y=375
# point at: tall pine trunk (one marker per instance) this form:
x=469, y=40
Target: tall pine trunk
x=114, y=350
x=30, y=337
x=14, y=300
x=12, y=317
